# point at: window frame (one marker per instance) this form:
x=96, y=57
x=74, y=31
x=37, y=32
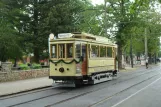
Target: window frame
x=98, y=51
x=111, y=54
x=77, y=42
x=57, y=50
x=60, y=50
x=103, y=46
x=72, y=51
x=51, y=51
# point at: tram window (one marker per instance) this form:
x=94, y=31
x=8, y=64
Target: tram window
x=84, y=50
x=53, y=51
x=69, y=50
x=94, y=51
x=78, y=50
x=109, y=51
x=102, y=51
x=61, y=50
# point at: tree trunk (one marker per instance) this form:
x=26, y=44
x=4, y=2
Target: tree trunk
x=35, y=28
x=36, y=55
x=150, y=59
x=155, y=58
x=119, y=37
x=119, y=56
x=15, y=62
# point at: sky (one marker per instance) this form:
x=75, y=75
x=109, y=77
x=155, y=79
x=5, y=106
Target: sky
x=97, y=2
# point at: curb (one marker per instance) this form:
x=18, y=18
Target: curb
x=129, y=69
x=24, y=91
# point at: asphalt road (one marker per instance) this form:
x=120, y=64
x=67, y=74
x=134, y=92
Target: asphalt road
x=138, y=88
x=147, y=96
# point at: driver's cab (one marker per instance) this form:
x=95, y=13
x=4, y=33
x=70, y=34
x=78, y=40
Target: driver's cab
x=65, y=52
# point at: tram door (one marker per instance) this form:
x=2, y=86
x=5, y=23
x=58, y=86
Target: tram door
x=84, y=63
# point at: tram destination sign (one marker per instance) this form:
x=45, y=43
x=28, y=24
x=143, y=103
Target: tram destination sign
x=65, y=35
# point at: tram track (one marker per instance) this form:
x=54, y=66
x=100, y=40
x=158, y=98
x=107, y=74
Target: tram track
x=38, y=98
x=31, y=91
x=109, y=97
x=26, y=92
x=88, y=92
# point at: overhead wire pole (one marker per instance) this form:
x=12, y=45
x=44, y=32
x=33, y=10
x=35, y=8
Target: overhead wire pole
x=146, y=48
x=131, y=56
x=105, y=19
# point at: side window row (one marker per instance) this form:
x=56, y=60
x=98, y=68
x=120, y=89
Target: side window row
x=59, y=51
x=102, y=51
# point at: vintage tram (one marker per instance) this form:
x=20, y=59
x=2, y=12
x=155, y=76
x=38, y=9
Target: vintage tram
x=82, y=58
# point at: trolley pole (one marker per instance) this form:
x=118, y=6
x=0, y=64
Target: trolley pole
x=146, y=48
x=131, y=56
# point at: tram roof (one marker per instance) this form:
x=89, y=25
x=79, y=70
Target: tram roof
x=82, y=37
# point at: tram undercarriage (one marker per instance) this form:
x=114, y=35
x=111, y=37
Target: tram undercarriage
x=88, y=79
x=102, y=77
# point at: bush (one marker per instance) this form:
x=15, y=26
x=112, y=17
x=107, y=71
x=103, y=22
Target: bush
x=36, y=66
x=29, y=66
x=24, y=67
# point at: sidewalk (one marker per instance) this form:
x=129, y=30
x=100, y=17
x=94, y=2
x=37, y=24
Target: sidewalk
x=129, y=68
x=24, y=85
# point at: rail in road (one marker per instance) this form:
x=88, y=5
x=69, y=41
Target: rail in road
x=88, y=92
x=60, y=92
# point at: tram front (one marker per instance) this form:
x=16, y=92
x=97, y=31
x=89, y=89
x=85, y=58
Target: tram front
x=65, y=66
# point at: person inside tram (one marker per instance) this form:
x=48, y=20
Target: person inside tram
x=93, y=54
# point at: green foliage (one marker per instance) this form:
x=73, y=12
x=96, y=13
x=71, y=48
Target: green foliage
x=26, y=24
x=68, y=16
x=32, y=66
x=159, y=1
x=36, y=66
x=34, y=20
x=24, y=67
x=10, y=42
x=129, y=20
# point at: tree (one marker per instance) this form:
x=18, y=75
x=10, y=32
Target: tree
x=9, y=45
x=69, y=16
x=122, y=19
x=36, y=19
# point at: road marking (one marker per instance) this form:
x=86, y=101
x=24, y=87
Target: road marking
x=136, y=93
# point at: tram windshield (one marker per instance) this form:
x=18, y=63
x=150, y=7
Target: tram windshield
x=62, y=50
x=53, y=51
x=69, y=50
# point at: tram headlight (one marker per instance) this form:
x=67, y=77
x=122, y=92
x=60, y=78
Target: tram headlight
x=61, y=69
x=78, y=70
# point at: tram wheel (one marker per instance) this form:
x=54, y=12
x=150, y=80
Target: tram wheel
x=78, y=83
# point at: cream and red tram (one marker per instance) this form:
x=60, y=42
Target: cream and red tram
x=81, y=57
